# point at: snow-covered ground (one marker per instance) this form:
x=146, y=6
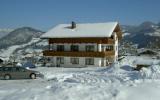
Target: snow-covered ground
x=117, y=82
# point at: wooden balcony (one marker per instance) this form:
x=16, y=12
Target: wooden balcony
x=82, y=40
x=78, y=53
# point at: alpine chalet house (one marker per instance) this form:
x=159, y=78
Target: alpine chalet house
x=82, y=45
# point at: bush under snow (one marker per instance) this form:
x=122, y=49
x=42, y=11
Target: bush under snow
x=152, y=72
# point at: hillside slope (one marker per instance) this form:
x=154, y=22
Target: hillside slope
x=146, y=34
x=19, y=36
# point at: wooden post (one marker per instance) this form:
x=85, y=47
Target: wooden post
x=49, y=47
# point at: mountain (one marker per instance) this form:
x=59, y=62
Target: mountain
x=146, y=27
x=4, y=32
x=146, y=34
x=158, y=24
x=19, y=36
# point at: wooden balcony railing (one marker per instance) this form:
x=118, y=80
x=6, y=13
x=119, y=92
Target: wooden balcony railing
x=78, y=53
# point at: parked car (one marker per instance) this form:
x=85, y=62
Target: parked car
x=18, y=73
x=28, y=65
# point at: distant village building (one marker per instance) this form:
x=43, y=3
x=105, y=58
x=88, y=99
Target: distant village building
x=147, y=52
x=81, y=45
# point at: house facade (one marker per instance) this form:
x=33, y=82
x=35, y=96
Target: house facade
x=82, y=45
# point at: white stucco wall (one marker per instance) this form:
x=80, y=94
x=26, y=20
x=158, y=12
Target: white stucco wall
x=67, y=62
x=82, y=46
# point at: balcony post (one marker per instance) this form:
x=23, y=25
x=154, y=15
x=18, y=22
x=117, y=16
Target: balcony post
x=99, y=47
x=49, y=47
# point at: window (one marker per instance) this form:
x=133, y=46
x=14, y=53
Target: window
x=109, y=60
x=60, y=47
x=52, y=47
x=90, y=48
x=7, y=69
x=74, y=48
x=74, y=60
x=109, y=48
x=89, y=61
x=1, y=69
x=22, y=69
x=14, y=69
x=60, y=60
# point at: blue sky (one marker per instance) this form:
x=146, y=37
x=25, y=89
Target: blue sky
x=44, y=14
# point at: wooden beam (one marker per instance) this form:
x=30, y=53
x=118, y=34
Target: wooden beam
x=78, y=54
x=82, y=40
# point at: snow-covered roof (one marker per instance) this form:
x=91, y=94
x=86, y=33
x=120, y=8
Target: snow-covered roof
x=82, y=30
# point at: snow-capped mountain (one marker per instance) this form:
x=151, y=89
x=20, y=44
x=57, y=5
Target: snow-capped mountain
x=4, y=32
x=19, y=40
x=146, y=34
x=19, y=36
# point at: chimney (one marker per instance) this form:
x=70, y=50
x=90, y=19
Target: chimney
x=73, y=25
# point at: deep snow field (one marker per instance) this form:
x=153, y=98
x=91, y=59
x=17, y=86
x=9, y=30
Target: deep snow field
x=116, y=82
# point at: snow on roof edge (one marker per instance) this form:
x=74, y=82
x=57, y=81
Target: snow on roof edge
x=51, y=32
